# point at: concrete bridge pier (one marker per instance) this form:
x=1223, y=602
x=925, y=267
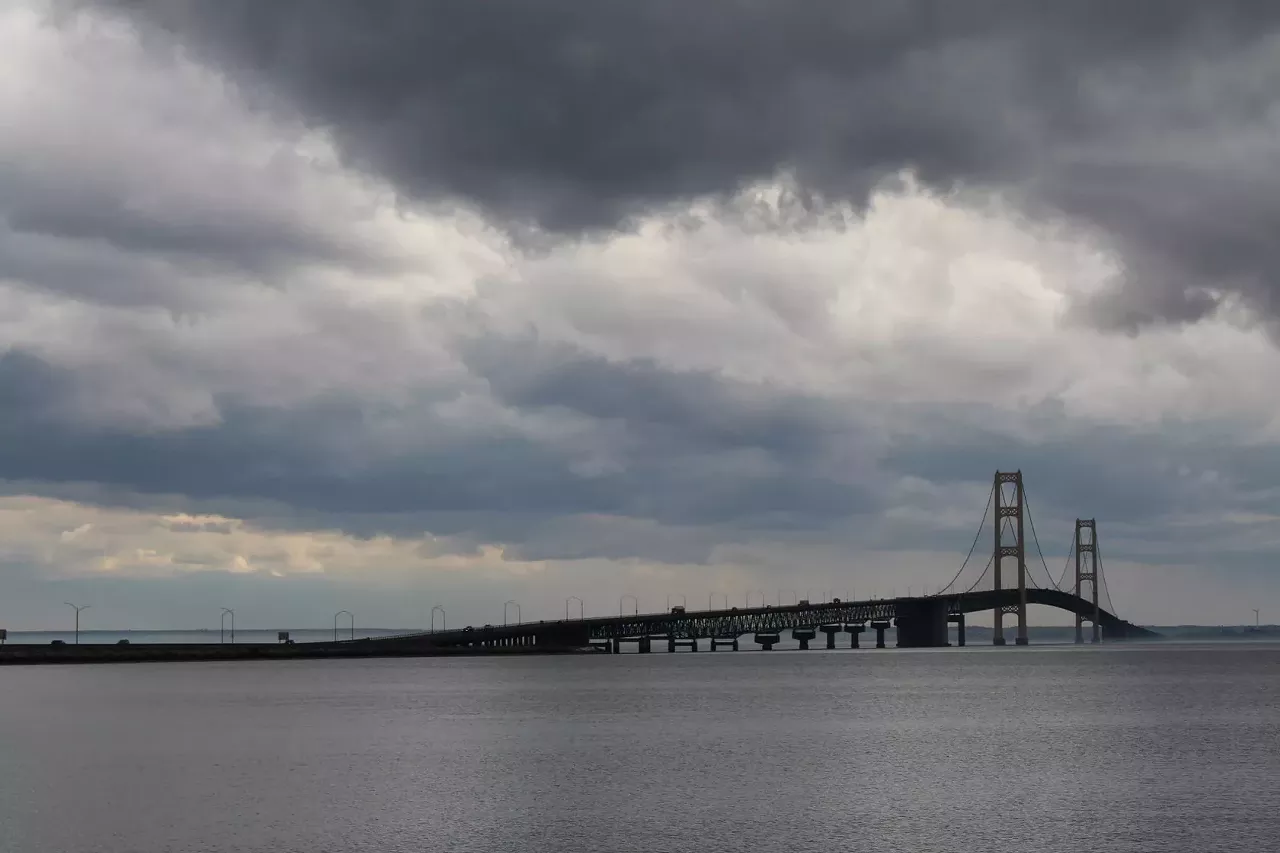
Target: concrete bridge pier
x=642, y=644
x=880, y=628
x=731, y=642
x=673, y=644
x=804, y=635
x=855, y=631
x=767, y=641
x=646, y=645
x=958, y=620
x=831, y=631
x=566, y=636
x=922, y=623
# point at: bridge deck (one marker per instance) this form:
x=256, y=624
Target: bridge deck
x=735, y=622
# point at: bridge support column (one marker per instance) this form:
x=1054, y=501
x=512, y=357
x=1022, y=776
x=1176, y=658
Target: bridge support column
x=717, y=642
x=767, y=641
x=831, y=631
x=617, y=646
x=1009, y=501
x=855, y=631
x=646, y=645
x=921, y=623
x=880, y=628
x=958, y=619
x=1087, y=573
x=804, y=635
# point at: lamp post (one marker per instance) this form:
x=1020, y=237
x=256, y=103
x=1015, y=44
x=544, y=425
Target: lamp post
x=222, y=624
x=443, y=624
x=634, y=601
x=751, y=592
x=335, y=624
x=581, y=607
x=507, y=604
x=711, y=597
x=77, y=608
x=793, y=596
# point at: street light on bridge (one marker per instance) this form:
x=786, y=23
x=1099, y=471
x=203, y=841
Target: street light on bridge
x=751, y=592
x=794, y=597
x=507, y=604
x=711, y=597
x=335, y=624
x=444, y=626
x=222, y=625
x=77, y=608
x=635, y=601
x=581, y=607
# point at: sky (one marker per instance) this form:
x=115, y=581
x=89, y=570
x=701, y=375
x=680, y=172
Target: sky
x=381, y=306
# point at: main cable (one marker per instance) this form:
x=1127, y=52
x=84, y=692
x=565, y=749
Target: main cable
x=981, y=525
x=1048, y=574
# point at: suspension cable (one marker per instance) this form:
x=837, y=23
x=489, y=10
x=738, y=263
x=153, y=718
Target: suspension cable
x=1036, y=538
x=982, y=576
x=981, y=525
x=1066, y=566
x=1101, y=578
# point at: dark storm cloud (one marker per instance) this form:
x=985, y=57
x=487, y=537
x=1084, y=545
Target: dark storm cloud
x=692, y=411
x=1145, y=120
x=85, y=233
x=676, y=471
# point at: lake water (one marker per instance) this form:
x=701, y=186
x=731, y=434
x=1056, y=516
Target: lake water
x=1116, y=748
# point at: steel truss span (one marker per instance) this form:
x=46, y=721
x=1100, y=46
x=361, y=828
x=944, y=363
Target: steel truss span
x=733, y=623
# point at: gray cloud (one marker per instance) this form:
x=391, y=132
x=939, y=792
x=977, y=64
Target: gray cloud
x=696, y=452
x=1150, y=122
x=590, y=404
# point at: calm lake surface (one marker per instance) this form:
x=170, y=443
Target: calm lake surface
x=1120, y=748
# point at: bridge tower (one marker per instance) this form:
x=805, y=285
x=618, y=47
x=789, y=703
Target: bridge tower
x=1009, y=543
x=1087, y=572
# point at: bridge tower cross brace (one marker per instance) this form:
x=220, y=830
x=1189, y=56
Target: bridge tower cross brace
x=1087, y=572
x=1010, y=543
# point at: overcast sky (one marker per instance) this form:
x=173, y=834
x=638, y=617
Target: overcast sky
x=397, y=303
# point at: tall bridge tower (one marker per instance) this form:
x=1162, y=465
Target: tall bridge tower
x=1087, y=572
x=1009, y=543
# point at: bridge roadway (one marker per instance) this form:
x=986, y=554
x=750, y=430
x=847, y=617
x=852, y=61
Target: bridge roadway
x=920, y=622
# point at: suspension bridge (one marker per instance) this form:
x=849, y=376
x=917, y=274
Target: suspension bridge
x=1006, y=585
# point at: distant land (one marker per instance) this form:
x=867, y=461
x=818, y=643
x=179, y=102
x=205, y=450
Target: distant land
x=1058, y=633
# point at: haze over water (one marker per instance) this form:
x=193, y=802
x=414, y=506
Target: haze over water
x=1144, y=748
